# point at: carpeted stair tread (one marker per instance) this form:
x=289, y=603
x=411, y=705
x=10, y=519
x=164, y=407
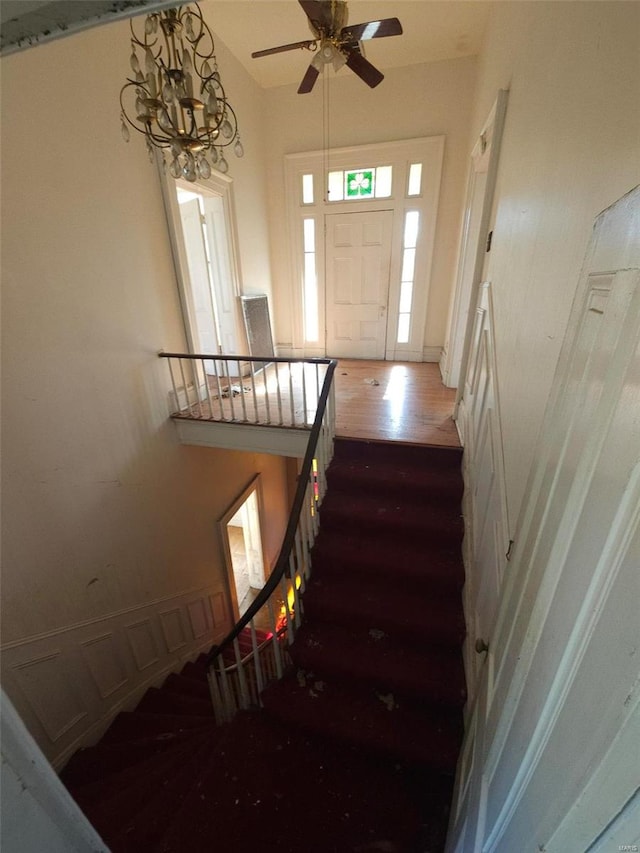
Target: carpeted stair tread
x=157, y=700
x=423, y=484
x=143, y=831
x=133, y=725
x=403, y=730
x=144, y=809
x=263, y=793
x=195, y=670
x=398, y=612
x=101, y=787
x=99, y=761
x=382, y=452
x=337, y=652
x=185, y=686
x=397, y=518
x=344, y=552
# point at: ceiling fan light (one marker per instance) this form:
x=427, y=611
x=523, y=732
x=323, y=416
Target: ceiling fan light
x=339, y=59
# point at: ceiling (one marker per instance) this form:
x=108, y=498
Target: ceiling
x=433, y=29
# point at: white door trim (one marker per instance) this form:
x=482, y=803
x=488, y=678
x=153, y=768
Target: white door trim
x=473, y=247
x=399, y=154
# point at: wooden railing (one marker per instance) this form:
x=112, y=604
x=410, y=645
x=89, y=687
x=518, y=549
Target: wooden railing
x=242, y=389
x=255, y=650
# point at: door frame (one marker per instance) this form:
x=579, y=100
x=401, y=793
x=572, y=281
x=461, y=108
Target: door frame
x=398, y=154
x=217, y=185
x=478, y=214
x=253, y=486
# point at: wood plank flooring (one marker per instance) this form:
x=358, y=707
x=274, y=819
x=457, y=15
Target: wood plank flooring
x=410, y=404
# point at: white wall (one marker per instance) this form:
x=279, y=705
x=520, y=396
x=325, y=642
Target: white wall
x=420, y=100
x=570, y=149
x=103, y=510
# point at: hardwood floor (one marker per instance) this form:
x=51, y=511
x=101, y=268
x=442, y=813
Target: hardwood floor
x=410, y=403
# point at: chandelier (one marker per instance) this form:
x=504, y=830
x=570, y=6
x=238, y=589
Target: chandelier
x=176, y=98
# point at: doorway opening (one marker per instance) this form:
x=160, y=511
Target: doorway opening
x=210, y=279
x=241, y=534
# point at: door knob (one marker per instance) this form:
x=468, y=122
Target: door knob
x=481, y=646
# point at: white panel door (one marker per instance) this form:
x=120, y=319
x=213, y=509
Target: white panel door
x=555, y=747
x=222, y=272
x=358, y=261
x=485, y=511
x=205, y=333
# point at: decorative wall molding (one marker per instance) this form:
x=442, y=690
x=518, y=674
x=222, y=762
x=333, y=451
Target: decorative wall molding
x=68, y=684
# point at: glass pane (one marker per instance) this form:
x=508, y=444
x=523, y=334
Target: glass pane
x=359, y=184
x=403, y=329
x=383, y=181
x=310, y=298
x=406, y=291
x=408, y=264
x=415, y=179
x=334, y=185
x=309, y=235
x=307, y=189
x=411, y=223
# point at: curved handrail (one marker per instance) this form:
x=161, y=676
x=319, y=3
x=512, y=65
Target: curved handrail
x=292, y=526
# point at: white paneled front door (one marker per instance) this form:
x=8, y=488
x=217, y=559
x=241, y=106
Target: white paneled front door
x=358, y=260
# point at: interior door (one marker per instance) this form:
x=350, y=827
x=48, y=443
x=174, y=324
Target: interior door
x=485, y=507
x=205, y=333
x=358, y=261
x=222, y=279
x=473, y=249
x=551, y=751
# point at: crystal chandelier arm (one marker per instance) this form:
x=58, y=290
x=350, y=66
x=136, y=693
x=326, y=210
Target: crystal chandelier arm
x=177, y=99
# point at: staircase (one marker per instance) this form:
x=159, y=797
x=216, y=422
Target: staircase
x=356, y=746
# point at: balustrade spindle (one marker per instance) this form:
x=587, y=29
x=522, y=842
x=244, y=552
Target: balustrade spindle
x=256, y=657
x=305, y=417
x=266, y=391
x=241, y=384
x=242, y=681
x=291, y=399
x=278, y=393
x=253, y=392
x=206, y=385
x=173, y=385
x=275, y=641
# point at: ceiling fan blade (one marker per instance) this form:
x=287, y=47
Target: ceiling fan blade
x=364, y=69
x=372, y=30
x=309, y=79
x=319, y=13
x=281, y=49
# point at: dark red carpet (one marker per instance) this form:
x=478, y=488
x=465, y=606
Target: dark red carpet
x=355, y=749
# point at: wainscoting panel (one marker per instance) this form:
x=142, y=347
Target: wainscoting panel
x=67, y=685
x=103, y=660
x=142, y=644
x=51, y=693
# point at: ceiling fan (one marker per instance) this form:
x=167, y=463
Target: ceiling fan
x=337, y=43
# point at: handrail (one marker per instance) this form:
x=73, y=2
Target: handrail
x=290, y=533
x=265, y=359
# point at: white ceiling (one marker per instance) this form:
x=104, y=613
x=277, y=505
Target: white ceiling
x=433, y=30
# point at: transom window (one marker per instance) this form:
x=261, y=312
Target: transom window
x=358, y=184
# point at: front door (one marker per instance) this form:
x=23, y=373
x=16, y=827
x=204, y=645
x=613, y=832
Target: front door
x=358, y=260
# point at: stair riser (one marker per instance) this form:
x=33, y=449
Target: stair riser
x=394, y=526
x=371, y=453
x=447, y=692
